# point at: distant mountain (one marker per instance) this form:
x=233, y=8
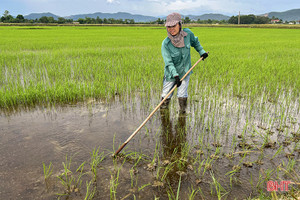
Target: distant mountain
x=39, y=15
x=119, y=15
x=290, y=15
x=209, y=16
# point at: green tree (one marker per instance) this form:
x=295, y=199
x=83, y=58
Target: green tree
x=247, y=19
x=131, y=21
x=81, y=21
x=6, y=13
x=88, y=20
x=261, y=20
x=19, y=19
x=233, y=20
x=187, y=20
x=51, y=20
x=7, y=17
x=61, y=20
x=44, y=19
x=160, y=21
x=99, y=20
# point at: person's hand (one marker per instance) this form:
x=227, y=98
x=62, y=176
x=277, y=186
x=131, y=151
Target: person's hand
x=177, y=81
x=205, y=55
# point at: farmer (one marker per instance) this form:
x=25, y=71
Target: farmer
x=176, y=54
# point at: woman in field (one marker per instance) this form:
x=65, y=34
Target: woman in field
x=176, y=54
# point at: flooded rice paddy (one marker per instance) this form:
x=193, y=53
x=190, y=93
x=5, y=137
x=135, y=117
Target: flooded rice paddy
x=219, y=149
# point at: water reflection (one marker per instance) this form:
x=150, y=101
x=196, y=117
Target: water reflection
x=174, y=145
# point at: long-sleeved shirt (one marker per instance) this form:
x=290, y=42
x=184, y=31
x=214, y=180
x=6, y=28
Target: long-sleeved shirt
x=178, y=60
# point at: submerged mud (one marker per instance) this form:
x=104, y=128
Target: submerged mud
x=211, y=151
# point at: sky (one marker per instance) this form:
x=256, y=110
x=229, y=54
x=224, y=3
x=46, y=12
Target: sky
x=154, y=8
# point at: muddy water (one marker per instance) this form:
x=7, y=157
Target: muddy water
x=29, y=138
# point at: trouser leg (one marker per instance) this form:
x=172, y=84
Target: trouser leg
x=167, y=87
x=182, y=104
x=182, y=94
x=165, y=104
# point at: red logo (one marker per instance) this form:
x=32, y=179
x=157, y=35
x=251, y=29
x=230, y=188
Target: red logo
x=273, y=186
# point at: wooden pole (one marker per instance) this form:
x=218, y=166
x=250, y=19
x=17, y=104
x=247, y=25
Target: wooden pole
x=157, y=107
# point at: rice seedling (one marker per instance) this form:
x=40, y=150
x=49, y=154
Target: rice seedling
x=67, y=178
x=167, y=169
x=47, y=170
x=267, y=176
x=143, y=186
x=193, y=193
x=277, y=152
x=90, y=191
x=207, y=165
x=114, y=180
x=79, y=180
x=178, y=189
x=218, y=187
x=170, y=192
x=96, y=159
x=132, y=178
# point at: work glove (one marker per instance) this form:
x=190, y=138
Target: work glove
x=205, y=55
x=177, y=81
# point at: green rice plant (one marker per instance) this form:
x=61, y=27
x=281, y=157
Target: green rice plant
x=291, y=165
x=96, y=159
x=168, y=168
x=143, y=186
x=200, y=167
x=67, y=178
x=47, y=170
x=80, y=170
x=132, y=176
x=193, y=193
x=182, y=161
x=114, y=181
x=277, y=152
x=51, y=82
x=218, y=187
x=90, y=191
x=70, y=180
x=290, y=171
x=178, y=189
x=232, y=174
x=170, y=192
x=137, y=157
x=244, y=156
x=267, y=176
x=207, y=165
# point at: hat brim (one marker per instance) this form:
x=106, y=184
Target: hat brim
x=172, y=23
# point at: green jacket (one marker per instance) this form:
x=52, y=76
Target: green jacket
x=178, y=60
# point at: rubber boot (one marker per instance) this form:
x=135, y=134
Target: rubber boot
x=182, y=104
x=165, y=104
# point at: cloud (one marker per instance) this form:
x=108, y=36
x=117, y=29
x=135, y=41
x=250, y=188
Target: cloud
x=199, y=6
x=112, y=1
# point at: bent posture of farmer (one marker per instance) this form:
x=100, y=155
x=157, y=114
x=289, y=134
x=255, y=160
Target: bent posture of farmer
x=177, y=57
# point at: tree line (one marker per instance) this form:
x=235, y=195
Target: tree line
x=244, y=19
x=249, y=19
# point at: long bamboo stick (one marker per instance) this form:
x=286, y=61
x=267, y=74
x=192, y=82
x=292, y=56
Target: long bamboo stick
x=157, y=107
